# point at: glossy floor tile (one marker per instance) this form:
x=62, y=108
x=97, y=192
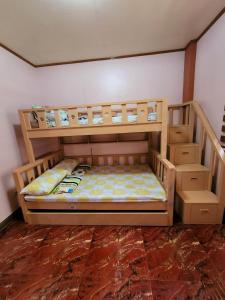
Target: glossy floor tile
x=112, y=262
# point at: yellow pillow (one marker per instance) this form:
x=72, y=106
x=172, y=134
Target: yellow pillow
x=44, y=184
x=67, y=164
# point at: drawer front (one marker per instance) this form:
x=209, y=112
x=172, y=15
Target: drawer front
x=203, y=213
x=194, y=181
x=186, y=155
x=178, y=135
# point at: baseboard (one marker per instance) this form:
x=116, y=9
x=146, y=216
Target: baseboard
x=17, y=214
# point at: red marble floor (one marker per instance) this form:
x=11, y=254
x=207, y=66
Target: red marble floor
x=99, y=262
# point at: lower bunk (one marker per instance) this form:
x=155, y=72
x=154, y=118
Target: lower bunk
x=114, y=194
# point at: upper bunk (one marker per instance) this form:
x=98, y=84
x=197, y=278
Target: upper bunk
x=103, y=118
x=148, y=115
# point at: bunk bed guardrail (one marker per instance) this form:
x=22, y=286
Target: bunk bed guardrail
x=102, y=114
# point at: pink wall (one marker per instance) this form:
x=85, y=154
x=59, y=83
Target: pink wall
x=159, y=76
x=210, y=73
x=156, y=76
x=18, y=89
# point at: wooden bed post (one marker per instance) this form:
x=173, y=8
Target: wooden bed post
x=163, y=148
x=27, y=141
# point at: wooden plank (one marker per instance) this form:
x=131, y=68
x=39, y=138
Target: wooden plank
x=101, y=218
x=163, y=142
x=27, y=141
x=152, y=204
x=153, y=100
x=142, y=112
x=107, y=114
x=41, y=119
x=128, y=128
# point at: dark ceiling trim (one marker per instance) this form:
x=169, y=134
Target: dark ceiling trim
x=117, y=57
x=211, y=24
x=16, y=54
x=108, y=58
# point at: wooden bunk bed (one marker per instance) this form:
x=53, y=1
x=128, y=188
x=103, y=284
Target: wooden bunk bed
x=105, y=118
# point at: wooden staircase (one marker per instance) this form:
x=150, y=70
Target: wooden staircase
x=200, y=165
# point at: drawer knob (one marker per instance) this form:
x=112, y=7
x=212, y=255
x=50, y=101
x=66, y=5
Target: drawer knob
x=194, y=178
x=185, y=152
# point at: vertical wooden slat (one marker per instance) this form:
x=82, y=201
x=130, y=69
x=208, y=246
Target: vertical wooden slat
x=107, y=114
x=57, y=118
x=159, y=106
x=191, y=122
x=142, y=112
x=27, y=141
x=171, y=117
x=90, y=115
x=41, y=119
x=202, y=144
x=163, y=148
x=30, y=175
x=124, y=113
x=27, y=120
x=39, y=170
x=73, y=117
x=187, y=111
x=211, y=167
x=221, y=192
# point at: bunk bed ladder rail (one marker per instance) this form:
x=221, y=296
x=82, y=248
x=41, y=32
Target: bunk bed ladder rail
x=211, y=153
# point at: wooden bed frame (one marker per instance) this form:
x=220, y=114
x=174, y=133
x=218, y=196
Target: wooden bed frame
x=157, y=213
x=107, y=110
x=151, y=213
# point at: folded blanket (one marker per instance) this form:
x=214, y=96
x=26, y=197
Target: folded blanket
x=68, y=184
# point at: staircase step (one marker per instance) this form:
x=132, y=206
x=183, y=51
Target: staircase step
x=184, y=153
x=198, y=207
x=192, y=177
x=179, y=134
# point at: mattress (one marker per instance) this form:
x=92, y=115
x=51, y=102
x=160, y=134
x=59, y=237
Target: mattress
x=112, y=184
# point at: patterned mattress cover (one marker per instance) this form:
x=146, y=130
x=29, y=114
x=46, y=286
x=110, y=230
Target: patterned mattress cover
x=112, y=183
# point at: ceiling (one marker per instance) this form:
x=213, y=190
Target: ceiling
x=53, y=31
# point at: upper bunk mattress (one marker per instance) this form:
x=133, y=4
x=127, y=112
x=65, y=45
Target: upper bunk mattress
x=112, y=184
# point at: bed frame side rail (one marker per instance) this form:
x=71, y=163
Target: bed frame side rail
x=27, y=173
x=165, y=172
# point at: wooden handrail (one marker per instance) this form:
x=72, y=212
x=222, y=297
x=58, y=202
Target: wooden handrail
x=209, y=131
x=206, y=126
x=180, y=104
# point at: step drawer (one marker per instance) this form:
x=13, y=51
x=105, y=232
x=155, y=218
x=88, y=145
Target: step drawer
x=186, y=155
x=192, y=181
x=178, y=135
x=203, y=213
